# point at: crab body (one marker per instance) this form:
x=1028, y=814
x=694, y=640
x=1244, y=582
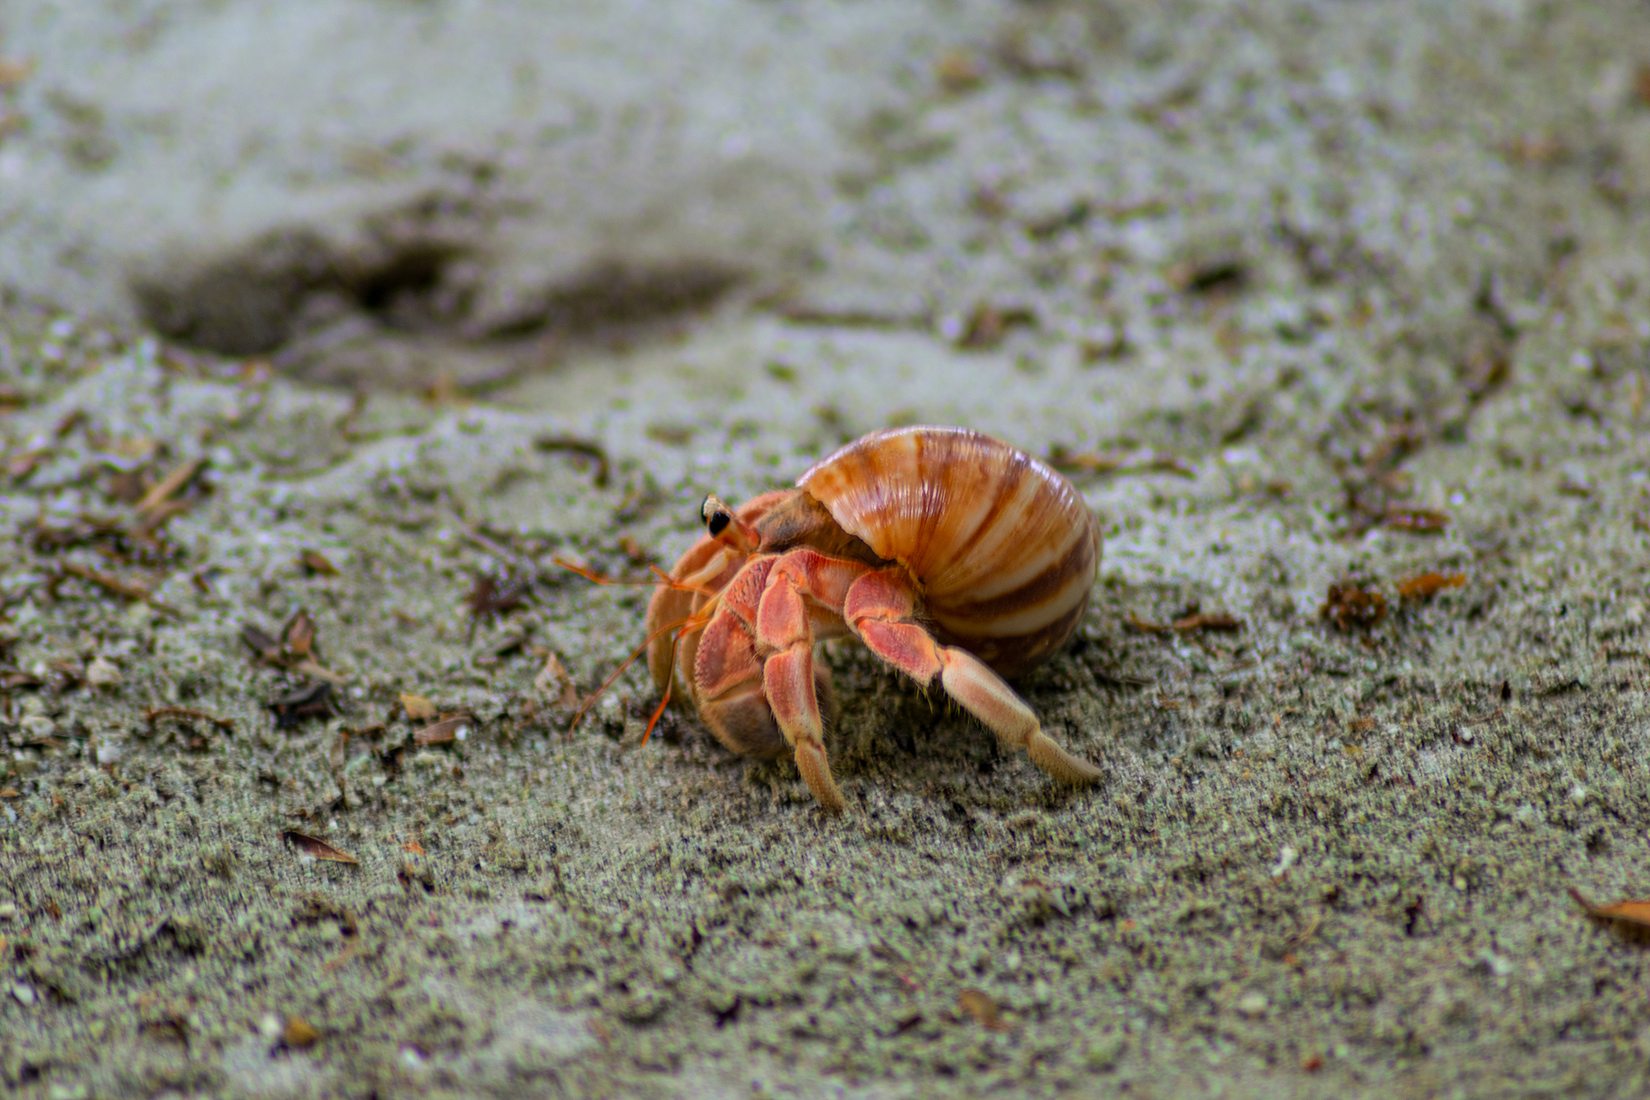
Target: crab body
x=952, y=556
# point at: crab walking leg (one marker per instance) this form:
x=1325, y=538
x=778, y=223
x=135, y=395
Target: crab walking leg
x=879, y=608
x=783, y=631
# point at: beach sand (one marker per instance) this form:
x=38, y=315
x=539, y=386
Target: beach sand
x=412, y=297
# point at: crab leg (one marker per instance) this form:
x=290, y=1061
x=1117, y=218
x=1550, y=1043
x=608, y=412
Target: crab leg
x=785, y=631
x=880, y=608
x=788, y=682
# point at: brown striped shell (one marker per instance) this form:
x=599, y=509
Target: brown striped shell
x=1002, y=548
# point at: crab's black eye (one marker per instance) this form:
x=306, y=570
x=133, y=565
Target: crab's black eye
x=716, y=515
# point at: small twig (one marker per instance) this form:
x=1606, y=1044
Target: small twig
x=492, y=547
x=316, y=671
x=849, y=317
x=583, y=447
x=1189, y=623
x=1095, y=463
x=128, y=589
x=472, y=533
x=170, y=485
x=155, y=715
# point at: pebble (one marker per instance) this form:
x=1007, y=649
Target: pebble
x=102, y=672
x=38, y=726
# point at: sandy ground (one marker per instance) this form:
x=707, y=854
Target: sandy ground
x=360, y=308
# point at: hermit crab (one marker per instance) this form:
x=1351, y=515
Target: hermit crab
x=954, y=557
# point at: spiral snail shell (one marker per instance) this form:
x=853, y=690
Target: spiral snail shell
x=1001, y=547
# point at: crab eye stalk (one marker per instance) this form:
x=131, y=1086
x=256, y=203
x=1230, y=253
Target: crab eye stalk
x=720, y=520
x=715, y=514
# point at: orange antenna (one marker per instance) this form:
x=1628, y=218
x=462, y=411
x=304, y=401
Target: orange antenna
x=696, y=621
x=664, y=700
x=660, y=578
x=683, y=626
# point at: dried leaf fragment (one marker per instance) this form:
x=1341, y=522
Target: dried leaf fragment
x=1420, y=520
x=496, y=594
x=300, y=634
x=299, y=1033
x=1629, y=917
x=418, y=708
x=959, y=71
x=444, y=731
x=1352, y=605
x=13, y=71
x=265, y=646
x=445, y=390
x=1213, y=275
x=1191, y=622
x=1538, y=148
x=1217, y=621
x=317, y=564
x=987, y=325
x=554, y=681
x=19, y=466
x=984, y=1010
x=317, y=849
x=309, y=701
x=1427, y=585
x=127, y=487
x=295, y=652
